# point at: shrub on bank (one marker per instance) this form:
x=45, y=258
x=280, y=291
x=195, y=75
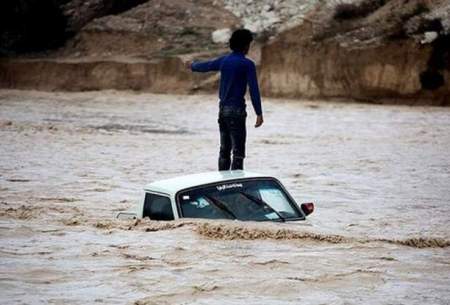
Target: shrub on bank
x=346, y=11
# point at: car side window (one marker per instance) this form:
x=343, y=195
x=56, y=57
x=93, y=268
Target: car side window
x=157, y=207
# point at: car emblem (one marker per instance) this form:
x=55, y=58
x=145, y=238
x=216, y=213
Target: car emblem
x=228, y=186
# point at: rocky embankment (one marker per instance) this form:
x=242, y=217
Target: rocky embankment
x=117, y=47
x=398, y=53
x=370, y=50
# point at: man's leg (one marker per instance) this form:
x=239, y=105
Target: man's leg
x=238, y=134
x=225, y=145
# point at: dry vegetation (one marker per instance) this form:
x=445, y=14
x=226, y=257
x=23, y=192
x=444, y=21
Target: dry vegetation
x=345, y=11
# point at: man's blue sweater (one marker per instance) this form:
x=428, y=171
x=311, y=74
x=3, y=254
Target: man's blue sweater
x=236, y=71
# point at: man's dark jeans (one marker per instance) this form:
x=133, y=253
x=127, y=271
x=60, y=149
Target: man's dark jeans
x=233, y=134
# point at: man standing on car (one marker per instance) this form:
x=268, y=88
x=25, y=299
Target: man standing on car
x=236, y=73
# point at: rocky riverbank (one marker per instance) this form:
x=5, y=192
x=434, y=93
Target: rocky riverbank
x=378, y=51
x=398, y=53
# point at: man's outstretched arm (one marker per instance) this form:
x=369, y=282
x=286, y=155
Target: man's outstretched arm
x=206, y=66
x=254, y=93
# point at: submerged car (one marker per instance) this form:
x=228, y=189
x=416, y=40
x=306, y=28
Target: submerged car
x=236, y=195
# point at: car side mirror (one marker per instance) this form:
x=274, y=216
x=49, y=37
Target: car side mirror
x=126, y=215
x=307, y=208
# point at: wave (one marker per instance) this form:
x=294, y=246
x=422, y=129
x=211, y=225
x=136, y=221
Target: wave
x=219, y=230
x=233, y=232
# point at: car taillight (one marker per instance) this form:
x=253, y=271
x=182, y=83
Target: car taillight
x=307, y=208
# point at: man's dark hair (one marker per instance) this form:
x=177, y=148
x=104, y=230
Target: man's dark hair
x=240, y=40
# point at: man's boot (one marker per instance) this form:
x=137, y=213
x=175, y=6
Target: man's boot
x=238, y=163
x=224, y=164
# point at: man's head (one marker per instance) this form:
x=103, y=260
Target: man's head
x=240, y=40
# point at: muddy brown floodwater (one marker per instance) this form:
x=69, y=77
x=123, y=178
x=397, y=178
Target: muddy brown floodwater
x=379, y=175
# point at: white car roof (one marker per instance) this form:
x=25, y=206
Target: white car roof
x=174, y=185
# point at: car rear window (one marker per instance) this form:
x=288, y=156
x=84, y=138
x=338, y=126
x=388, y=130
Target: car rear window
x=257, y=199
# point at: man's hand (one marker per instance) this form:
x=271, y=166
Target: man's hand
x=259, y=121
x=188, y=64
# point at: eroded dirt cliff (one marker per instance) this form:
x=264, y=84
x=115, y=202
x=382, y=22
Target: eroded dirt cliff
x=371, y=50
x=382, y=57
x=159, y=75
x=125, y=45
